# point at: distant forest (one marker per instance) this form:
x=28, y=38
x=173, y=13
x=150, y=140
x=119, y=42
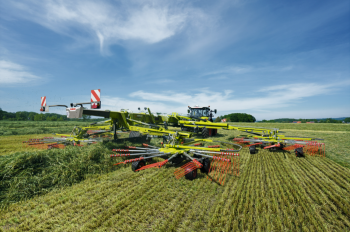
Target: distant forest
x=32, y=116
x=236, y=117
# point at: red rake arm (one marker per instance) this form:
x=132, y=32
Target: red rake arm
x=129, y=161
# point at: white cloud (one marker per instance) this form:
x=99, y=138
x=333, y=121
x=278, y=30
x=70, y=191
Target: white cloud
x=147, y=21
x=12, y=73
x=269, y=99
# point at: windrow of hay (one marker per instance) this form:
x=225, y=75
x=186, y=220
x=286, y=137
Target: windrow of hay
x=26, y=174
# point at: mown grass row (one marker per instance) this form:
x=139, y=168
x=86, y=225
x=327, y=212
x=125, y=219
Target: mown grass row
x=26, y=174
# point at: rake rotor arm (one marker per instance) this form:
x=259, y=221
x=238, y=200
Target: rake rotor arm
x=136, y=151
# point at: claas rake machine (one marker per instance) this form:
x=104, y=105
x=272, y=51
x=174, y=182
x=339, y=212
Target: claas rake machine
x=176, y=147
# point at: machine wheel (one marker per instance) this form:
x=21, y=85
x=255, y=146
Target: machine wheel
x=191, y=175
x=137, y=164
x=205, y=132
x=299, y=152
x=134, y=134
x=206, y=166
x=252, y=150
x=178, y=159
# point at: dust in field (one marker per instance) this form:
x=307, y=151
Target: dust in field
x=274, y=192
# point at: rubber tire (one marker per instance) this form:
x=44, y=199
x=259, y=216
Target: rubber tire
x=177, y=160
x=252, y=150
x=191, y=175
x=205, y=132
x=137, y=164
x=299, y=152
x=206, y=166
x=134, y=134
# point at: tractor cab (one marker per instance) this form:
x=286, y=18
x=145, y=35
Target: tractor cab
x=201, y=113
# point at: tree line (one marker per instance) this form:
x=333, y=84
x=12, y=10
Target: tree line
x=236, y=117
x=32, y=116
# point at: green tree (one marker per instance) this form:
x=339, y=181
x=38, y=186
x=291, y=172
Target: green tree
x=218, y=119
x=20, y=116
x=86, y=117
x=31, y=116
x=347, y=119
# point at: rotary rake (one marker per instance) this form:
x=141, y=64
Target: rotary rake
x=214, y=161
x=300, y=147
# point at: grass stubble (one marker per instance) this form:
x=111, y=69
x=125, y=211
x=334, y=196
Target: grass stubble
x=274, y=192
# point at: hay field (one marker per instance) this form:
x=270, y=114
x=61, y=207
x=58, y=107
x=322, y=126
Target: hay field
x=274, y=192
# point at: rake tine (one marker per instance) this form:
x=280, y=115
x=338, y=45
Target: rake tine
x=129, y=154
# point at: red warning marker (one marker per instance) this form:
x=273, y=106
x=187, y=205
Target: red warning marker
x=95, y=97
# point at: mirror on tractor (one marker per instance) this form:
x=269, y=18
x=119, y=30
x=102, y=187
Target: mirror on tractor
x=215, y=111
x=188, y=111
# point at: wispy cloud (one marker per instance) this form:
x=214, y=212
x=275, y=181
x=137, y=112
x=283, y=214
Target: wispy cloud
x=243, y=69
x=278, y=96
x=147, y=21
x=12, y=73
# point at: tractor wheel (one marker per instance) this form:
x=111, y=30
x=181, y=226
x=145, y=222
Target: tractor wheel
x=191, y=175
x=205, y=132
x=134, y=134
x=206, y=166
x=252, y=150
x=137, y=164
x=299, y=152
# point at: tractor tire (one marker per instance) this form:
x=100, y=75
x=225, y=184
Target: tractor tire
x=191, y=175
x=299, y=152
x=252, y=150
x=205, y=132
x=137, y=164
x=134, y=134
x=206, y=166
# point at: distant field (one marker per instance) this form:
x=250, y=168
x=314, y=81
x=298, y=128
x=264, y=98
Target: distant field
x=37, y=127
x=274, y=192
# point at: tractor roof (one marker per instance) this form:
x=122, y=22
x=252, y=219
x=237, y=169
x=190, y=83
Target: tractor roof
x=194, y=107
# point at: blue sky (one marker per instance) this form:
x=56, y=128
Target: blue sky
x=271, y=59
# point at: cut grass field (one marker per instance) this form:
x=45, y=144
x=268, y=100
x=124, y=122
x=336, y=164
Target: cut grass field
x=274, y=192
